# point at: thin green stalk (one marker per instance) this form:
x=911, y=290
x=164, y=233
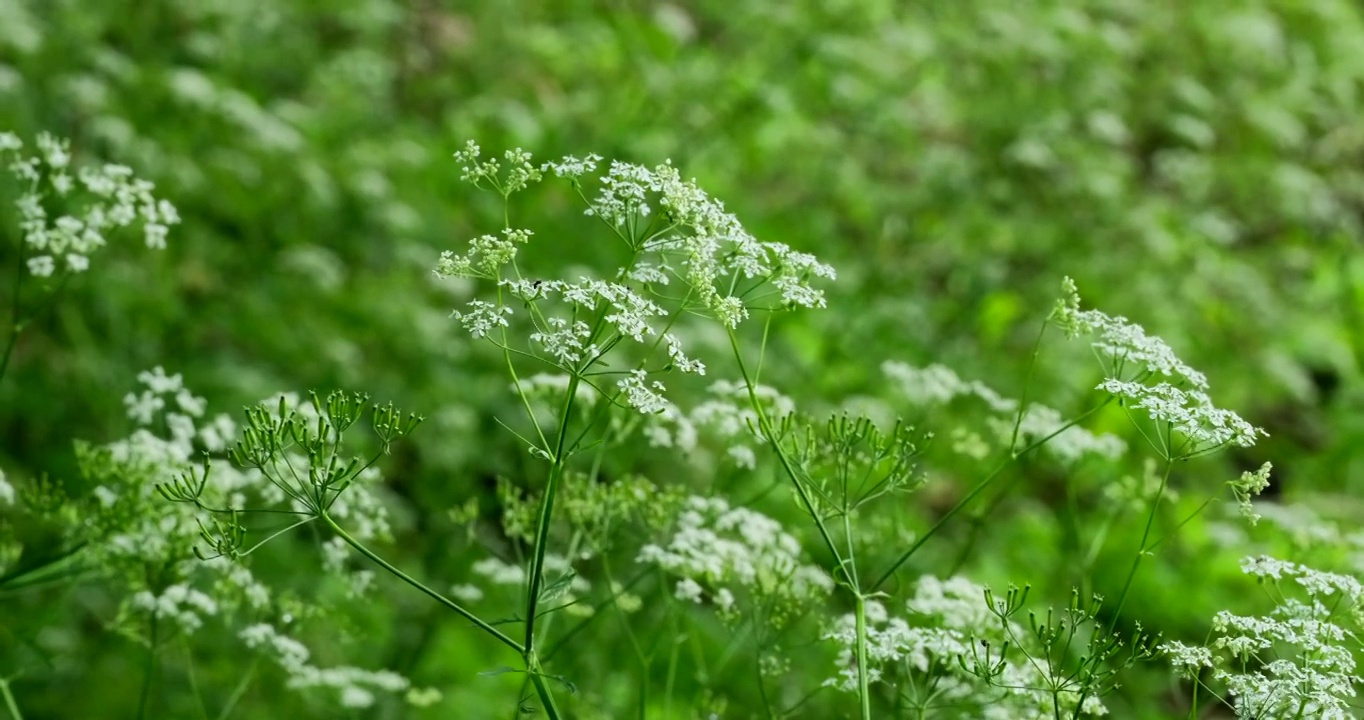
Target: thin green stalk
x=1142, y=548
x=542, y=689
x=846, y=568
x=556, y=474
x=239, y=691
x=1027, y=385
x=447, y=602
x=863, y=679
x=977, y=490
x=765, y=426
x=150, y=670
x=193, y=679
x=671, y=676
x=14, y=326
x=10, y=704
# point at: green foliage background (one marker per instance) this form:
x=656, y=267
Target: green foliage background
x=1195, y=166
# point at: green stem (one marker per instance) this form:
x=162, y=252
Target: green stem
x=239, y=691
x=770, y=435
x=977, y=490
x=847, y=568
x=15, y=327
x=150, y=670
x=1142, y=549
x=447, y=602
x=10, y=704
x=538, y=679
x=556, y=475
x=863, y=679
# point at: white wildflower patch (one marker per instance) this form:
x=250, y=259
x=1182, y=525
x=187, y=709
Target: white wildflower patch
x=1295, y=661
x=642, y=395
x=98, y=201
x=1188, y=412
x=180, y=604
x=482, y=317
x=1134, y=362
x=353, y=687
x=939, y=385
x=727, y=417
x=716, y=550
x=486, y=257
x=947, y=624
x=1122, y=343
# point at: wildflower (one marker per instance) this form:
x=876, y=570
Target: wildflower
x=1294, y=662
x=938, y=384
x=644, y=398
x=112, y=198
x=715, y=548
x=1180, y=403
x=1121, y=341
x=482, y=317
x=1250, y=485
x=1188, y=412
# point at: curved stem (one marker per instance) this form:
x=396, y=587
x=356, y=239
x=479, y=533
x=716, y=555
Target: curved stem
x=977, y=490
x=10, y=704
x=770, y=435
x=1142, y=549
x=447, y=602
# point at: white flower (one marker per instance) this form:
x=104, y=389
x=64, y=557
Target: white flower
x=715, y=546
x=482, y=317
x=642, y=397
x=680, y=359
x=466, y=592
x=565, y=342
x=572, y=167
x=689, y=589
x=1189, y=412
x=1187, y=660
x=1123, y=342
x=41, y=265
x=500, y=573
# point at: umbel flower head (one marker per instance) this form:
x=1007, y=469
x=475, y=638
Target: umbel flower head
x=685, y=255
x=65, y=213
x=1144, y=374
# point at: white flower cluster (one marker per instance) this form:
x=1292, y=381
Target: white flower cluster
x=949, y=621
x=716, y=549
x=1248, y=486
x=938, y=384
x=1294, y=662
x=707, y=244
x=479, y=170
x=728, y=417
x=1181, y=403
x=112, y=198
x=486, y=256
x=178, y=603
x=355, y=687
x=1121, y=341
x=1188, y=412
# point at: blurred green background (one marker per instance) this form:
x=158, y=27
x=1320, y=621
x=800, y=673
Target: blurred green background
x=1197, y=167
